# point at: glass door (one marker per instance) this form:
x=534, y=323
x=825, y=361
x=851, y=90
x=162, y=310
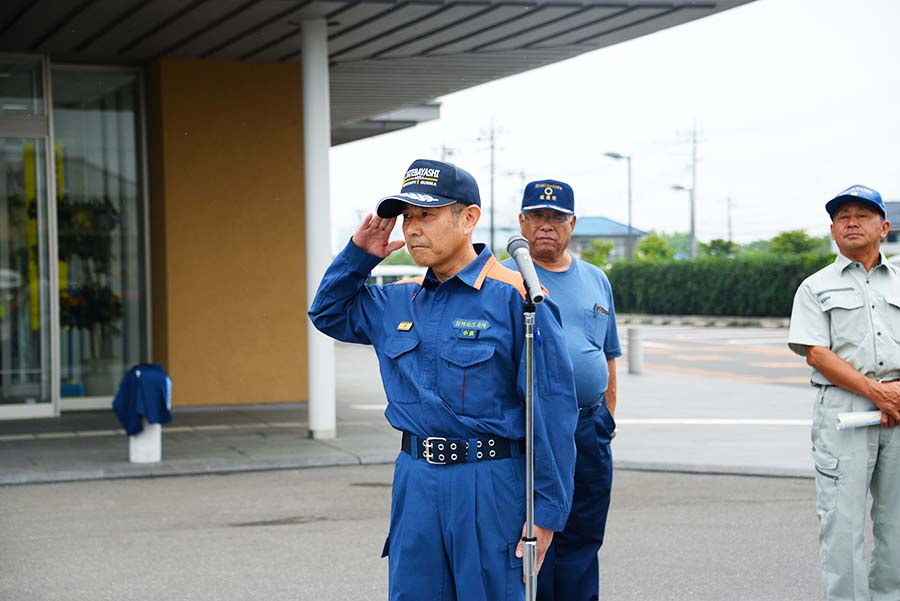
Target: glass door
x=100, y=217
x=27, y=276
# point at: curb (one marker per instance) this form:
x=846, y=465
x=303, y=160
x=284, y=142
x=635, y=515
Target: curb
x=703, y=321
x=713, y=470
x=163, y=470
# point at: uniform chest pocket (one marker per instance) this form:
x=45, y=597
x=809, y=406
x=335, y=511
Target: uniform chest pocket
x=893, y=315
x=466, y=379
x=595, y=323
x=845, y=308
x=398, y=368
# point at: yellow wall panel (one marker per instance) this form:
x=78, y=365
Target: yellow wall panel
x=227, y=209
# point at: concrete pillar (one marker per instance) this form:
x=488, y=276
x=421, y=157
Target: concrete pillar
x=316, y=143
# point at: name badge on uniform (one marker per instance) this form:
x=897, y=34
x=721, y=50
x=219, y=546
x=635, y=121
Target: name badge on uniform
x=470, y=328
x=404, y=326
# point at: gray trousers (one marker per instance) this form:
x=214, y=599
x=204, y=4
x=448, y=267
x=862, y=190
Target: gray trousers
x=849, y=464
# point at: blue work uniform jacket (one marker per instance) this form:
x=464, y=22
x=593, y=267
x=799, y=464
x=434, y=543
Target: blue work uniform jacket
x=145, y=391
x=452, y=360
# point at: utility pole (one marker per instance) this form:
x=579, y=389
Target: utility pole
x=693, y=191
x=491, y=138
x=493, y=171
x=729, y=205
x=446, y=152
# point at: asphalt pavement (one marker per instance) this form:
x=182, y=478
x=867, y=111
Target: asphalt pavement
x=713, y=496
x=316, y=535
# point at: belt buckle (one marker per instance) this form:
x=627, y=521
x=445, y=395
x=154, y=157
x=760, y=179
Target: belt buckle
x=427, y=454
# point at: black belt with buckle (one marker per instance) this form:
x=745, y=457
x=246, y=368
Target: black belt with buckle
x=439, y=450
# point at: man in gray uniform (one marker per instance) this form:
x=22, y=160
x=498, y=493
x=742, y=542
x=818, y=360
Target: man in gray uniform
x=846, y=322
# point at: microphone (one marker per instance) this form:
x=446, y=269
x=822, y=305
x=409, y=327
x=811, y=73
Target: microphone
x=517, y=247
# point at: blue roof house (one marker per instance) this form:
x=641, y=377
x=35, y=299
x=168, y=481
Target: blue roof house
x=588, y=229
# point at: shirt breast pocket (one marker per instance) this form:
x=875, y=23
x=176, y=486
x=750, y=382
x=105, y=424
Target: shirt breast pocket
x=848, y=319
x=595, y=323
x=893, y=315
x=399, y=368
x=467, y=379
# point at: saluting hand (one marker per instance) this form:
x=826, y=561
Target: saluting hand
x=374, y=234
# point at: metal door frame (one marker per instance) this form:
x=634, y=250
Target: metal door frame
x=89, y=403
x=41, y=127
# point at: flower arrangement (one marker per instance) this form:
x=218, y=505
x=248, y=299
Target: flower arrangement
x=85, y=243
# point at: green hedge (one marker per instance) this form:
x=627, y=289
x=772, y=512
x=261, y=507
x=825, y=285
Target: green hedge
x=752, y=286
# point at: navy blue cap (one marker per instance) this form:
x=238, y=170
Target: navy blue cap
x=549, y=194
x=859, y=194
x=431, y=184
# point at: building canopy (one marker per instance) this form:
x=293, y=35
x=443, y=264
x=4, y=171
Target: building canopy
x=384, y=55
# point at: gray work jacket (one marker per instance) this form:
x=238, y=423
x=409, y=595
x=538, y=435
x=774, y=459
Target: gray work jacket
x=853, y=313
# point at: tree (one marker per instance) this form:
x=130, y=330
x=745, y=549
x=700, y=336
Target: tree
x=757, y=246
x=679, y=242
x=400, y=257
x=598, y=253
x=797, y=242
x=719, y=248
x=654, y=247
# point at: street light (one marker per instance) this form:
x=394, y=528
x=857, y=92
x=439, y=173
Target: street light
x=692, y=237
x=629, y=241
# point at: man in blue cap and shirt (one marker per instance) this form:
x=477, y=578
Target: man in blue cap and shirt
x=450, y=348
x=585, y=300
x=846, y=322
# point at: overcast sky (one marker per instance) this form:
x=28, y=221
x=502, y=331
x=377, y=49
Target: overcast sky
x=793, y=101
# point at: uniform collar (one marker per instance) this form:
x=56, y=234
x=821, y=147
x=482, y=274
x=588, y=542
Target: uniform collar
x=841, y=262
x=472, y=274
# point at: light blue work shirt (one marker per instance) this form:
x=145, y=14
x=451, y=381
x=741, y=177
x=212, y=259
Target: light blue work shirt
x=452, y=361
x=584, y=297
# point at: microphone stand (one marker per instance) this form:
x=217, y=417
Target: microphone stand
x=518, y=250
x=529, y=561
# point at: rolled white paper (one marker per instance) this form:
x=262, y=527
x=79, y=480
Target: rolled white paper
x=858, y=419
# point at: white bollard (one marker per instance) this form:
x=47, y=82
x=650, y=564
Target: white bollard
x=635, y=352
x=146, y=446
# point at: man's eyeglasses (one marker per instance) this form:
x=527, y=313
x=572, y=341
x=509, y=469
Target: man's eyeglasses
x=552, y=217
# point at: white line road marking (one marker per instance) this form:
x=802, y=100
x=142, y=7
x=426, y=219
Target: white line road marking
x=651, y=344
x=758, y=341
x=711, y=421
x=370, y=407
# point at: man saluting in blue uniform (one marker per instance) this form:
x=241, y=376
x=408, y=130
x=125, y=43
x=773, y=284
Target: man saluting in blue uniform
x=451, y=352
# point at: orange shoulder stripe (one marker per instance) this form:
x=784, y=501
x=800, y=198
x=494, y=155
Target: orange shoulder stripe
x=418, y=280
x=496, y=271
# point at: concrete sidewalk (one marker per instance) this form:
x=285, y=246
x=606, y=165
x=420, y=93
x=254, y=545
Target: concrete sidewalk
x=92, y=445
x=666, y=421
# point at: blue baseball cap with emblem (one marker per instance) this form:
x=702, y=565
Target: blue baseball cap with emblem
x=431, y=184
x=859, y=194
x=549, y=194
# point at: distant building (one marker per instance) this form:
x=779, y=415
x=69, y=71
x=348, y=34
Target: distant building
x=891, y=246
x=588, y=229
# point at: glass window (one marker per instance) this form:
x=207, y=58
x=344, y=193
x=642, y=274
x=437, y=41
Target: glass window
x=101, y=228
x=24, y=281
x=21, y=88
